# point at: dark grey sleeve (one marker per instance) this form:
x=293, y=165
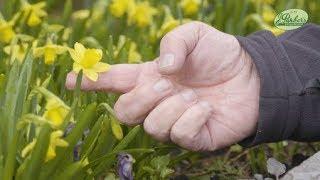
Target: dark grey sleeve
x=289, y=69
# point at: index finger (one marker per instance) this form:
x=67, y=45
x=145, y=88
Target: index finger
x=120, y=78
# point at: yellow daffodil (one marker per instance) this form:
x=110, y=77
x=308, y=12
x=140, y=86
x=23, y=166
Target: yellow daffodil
x=17, y=51
x=34, y=13
x=88, y=60
x=119, y=7
x=49, y=51
x=26, y=150
x=56, y=110
x=276, y=31
x=6, y=31
x=268, y=14
x=169, y=23
x=141, y=14
x=190, y=7
x=55, y=141
x=133, y=55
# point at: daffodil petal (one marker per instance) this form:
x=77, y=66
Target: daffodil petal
x=74, y=55
x=28, y=148
x=60, y=49
x=7, y=50
x=51, y=153
x=101, y=67
x=61, y=143
x=79, y=48
x=92, y=75
x=77, y=67
x=37, y=52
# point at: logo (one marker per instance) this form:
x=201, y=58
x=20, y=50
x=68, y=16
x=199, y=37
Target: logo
x=291, y=19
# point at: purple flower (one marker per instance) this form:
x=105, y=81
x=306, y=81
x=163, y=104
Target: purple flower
x=125, y=162
x=76, y=151
x=68, y=129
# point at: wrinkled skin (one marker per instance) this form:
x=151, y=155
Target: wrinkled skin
x=208, y=95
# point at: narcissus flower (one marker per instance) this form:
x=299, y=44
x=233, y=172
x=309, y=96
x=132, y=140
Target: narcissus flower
x=190, y=7
x=56, y=111
x=88, y=60
x=133, y=55
x=141, y=14
x=6, y=31
x=169, y=23
x=268, y=14
x=55, y=141
x=49, y=51
x=119, y=7
x=34, y=13
x=17, y=51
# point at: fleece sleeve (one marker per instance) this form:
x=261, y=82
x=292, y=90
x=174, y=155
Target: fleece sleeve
x=289, y=69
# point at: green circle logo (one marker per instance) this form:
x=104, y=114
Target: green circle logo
x=291, y=19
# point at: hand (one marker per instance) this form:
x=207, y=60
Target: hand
x=201, y=93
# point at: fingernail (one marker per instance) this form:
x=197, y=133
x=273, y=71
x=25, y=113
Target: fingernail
x=205, y=105
x=162, y=85
x=166, y=61
x=189, y=95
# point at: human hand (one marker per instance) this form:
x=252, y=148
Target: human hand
x=201, y=93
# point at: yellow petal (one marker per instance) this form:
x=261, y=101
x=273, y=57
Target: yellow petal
x=61, y=143
x=54, y=116
x=91, y=57
x=38, y=52
x=51, y=153
x=49, y=55
x=60, y=49
x=79, y=48
x=74, y=55
x=33, y=20
x=28, y=148
x=92, y=75
x=101, y=67
x=77, y=67
x=7, y=50
x=40, y=5
x=6, y=32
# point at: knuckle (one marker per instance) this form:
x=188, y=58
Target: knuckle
x=179, y=135
x=166, y=39
x=151, y=128
x=121, y=113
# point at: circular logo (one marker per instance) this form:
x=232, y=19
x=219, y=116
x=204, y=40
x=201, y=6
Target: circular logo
x=291, y=19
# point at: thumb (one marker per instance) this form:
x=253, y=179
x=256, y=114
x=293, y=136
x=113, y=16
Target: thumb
x=177, y=44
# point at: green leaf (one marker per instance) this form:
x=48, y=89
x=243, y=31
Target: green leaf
x=16, y=95
x=115, y=124
x=160, y=162
x=86, y=116
x=120, y=146
x=128, y=138
x=92, y=138
x=70, y=171
x=72, y=139
x=38, y=154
